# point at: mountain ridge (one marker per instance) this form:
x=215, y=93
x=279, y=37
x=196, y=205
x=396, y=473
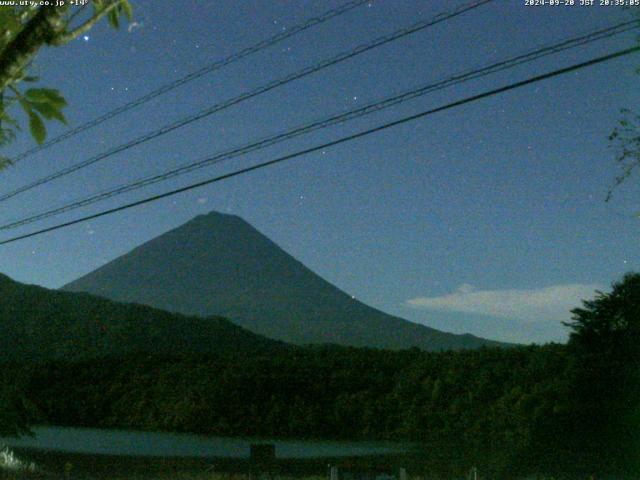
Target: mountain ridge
x=218, y=264
x=38, y=324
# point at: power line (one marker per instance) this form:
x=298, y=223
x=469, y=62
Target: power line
x=332, y=120
x=217, y=65
x=341, y=140
x=398, y=34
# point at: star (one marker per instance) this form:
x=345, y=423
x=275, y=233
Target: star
x=86, y=38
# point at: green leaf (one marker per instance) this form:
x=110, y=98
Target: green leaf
x=127, y=9
x=38, y=130
x=7, y=135
x=10, y=24
x=7, y=15
x=49, y=112
x=24, y=103
x=46, y=95
x=113, y=18
x=7, y=119
x=4, y=162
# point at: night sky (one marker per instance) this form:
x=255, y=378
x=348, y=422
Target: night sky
x=489, y=218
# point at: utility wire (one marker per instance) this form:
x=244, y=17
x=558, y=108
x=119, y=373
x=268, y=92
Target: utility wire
x=217, y=65
x=245, y=96
x=341, y=140
x=332, y=120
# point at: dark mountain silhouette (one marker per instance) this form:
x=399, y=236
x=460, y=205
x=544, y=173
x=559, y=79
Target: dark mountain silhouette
x=37, y=324
x=218, y=264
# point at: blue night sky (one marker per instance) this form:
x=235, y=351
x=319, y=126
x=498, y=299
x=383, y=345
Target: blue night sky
x=489, y=218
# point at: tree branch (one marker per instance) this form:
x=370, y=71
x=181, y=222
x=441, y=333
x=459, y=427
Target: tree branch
x=86, y=26
x=26, y=13
x=41, y=30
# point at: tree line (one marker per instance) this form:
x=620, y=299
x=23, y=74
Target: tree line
x=565, y=410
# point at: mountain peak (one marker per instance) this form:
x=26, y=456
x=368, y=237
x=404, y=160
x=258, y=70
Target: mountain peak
x=218, y=264
x=216, y=216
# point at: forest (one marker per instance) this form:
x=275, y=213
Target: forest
x=564, y=410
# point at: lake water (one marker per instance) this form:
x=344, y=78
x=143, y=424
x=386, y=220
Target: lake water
x=158, y=444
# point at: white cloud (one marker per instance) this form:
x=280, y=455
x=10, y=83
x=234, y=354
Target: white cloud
x=552, y=303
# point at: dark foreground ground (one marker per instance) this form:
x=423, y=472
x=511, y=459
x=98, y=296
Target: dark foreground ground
x=73, y=466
